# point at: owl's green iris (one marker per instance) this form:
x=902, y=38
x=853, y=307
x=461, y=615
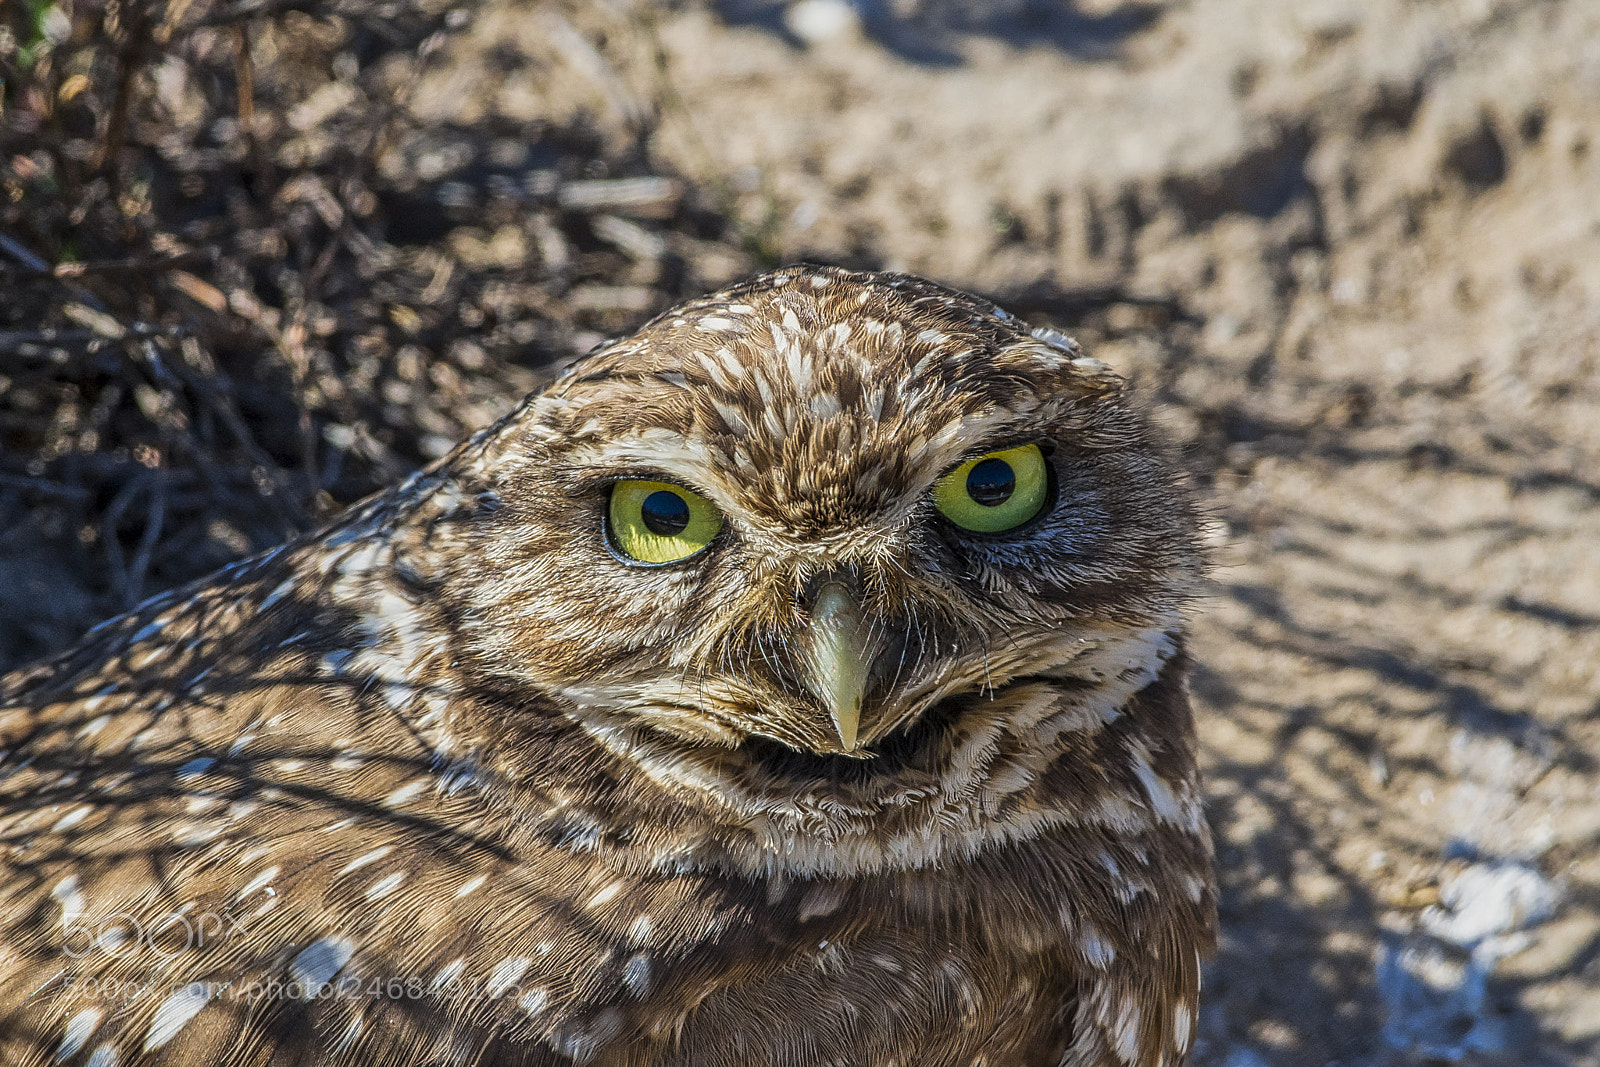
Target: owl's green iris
x=996, y=492
x=657, y=522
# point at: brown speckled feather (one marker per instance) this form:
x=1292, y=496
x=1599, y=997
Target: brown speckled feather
x=453, y=782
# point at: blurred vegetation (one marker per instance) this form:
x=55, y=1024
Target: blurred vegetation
x=248, y=284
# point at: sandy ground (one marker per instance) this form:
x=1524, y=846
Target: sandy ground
x=1360, y=245
x=1347, y=251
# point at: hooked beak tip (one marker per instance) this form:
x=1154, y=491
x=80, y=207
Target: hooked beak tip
x=847, y=721
x=841, y=661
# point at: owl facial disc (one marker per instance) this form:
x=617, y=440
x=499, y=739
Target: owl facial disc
x=839, y=654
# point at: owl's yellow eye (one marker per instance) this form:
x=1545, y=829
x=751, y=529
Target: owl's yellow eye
x=657, y=522
x=995, y=493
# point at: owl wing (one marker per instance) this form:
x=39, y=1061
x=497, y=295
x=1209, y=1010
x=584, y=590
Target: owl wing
x=228, y=838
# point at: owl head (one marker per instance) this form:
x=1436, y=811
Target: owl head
x=811, y=514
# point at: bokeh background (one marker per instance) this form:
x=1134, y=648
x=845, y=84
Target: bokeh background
x=260, y=258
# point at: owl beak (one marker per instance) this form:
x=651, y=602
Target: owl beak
x=840, y=657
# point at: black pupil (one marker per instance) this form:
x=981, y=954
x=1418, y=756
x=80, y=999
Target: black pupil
x=991, y=482
x=667, y=514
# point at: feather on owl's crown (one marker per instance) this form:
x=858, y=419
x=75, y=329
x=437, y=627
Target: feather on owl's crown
x=824, y=388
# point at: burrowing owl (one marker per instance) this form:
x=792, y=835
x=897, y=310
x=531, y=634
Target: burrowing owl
x=799, y=681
